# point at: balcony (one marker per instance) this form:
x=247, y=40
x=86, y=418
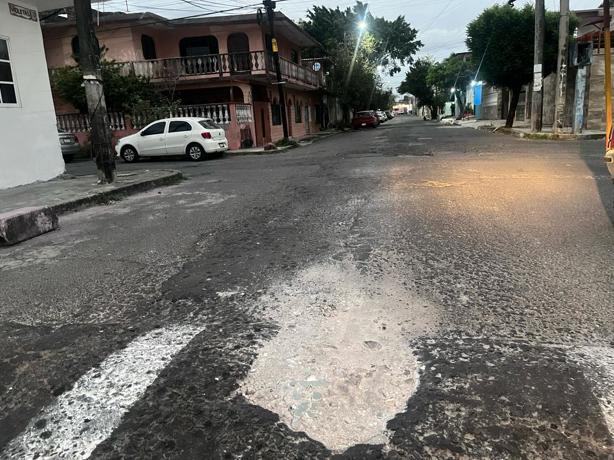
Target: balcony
x=216, y=66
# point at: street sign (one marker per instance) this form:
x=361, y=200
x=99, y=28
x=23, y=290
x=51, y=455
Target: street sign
x=23, y=12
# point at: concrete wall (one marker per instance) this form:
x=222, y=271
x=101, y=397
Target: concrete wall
x=491, y=103
x=125, y=44
x=30, y=149
x=596, y=94
x=119, y=45
x=305, y=127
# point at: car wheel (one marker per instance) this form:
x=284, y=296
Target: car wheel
x=195, y=152
x=68, y=158
x=129, y=154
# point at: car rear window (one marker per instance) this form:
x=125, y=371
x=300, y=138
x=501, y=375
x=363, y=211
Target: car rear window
x=208, y=124
x=364, y=114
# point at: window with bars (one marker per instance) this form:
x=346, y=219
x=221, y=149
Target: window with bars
x=8, y=93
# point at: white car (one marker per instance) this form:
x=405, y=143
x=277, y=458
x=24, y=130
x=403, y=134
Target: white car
x=191, y=137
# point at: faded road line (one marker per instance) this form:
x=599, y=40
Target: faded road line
x=83, y=417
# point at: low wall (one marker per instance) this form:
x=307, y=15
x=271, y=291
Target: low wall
x=238, y=125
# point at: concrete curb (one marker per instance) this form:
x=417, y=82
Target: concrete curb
x=540, y=136
x=26, y=223
x=105, y=196
x=557, y=137
x=242, y=153
x=311, y=140
x=21, y=224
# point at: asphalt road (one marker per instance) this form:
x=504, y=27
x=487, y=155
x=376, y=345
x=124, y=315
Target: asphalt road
x=413, y=291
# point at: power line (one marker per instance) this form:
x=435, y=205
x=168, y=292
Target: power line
x=196, y=5
x=166, y=20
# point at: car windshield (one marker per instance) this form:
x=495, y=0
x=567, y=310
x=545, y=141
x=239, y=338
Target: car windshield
x=244, y=262
x=209, y=124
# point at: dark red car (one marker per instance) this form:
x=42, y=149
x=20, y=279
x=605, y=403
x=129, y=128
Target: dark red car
x=364, y=119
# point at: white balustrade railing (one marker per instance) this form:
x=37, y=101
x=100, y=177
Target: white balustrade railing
x=220, y=113
x=80, y=122
x=244, y=113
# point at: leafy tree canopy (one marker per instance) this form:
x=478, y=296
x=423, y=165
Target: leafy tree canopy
x=417, y=82
x=122, y=91
x=357, y=59
x=504, y=36
x=393, y=43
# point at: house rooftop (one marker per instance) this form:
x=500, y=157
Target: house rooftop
x=284, y=25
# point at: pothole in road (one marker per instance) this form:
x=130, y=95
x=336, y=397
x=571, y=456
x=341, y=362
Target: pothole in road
x=341, y=365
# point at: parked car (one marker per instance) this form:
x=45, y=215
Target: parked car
x=186, y=136
x=364, y=119
x=389, y=114
x=381, y=116
x=69, y=144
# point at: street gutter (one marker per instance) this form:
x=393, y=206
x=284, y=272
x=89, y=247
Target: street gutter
x=302, y=143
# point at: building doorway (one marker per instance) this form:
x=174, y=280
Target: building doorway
x=262, y=124
x=238, y=51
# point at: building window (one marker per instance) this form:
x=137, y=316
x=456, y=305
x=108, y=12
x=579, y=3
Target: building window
x=198, y=46
x=276, y=113
x=298, y=113
x=149, y=47
x=8, y=93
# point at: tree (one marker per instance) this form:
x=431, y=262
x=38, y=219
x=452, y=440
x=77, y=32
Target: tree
x=504, y=36
x=356, y=58
x=417, y=82
x=122, y=91
x=450, y=78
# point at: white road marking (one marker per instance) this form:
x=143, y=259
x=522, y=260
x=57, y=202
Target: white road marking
x=83, y=417
x=340, y=366
x=598, y=363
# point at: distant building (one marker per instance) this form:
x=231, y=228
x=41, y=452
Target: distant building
x=30, y=146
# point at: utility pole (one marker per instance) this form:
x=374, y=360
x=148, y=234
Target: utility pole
x=608, y=80
x=561, y=68
x=537, y=100
x=270, y=11
x=89, y=61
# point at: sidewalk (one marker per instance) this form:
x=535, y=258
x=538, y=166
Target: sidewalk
x=69, y=192
x=524, y=130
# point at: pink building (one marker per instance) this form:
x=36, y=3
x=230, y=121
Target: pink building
x=220, y=66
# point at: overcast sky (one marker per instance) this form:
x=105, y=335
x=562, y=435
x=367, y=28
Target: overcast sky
x=441, y=23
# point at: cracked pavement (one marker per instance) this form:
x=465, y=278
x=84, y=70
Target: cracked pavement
x=413, y=291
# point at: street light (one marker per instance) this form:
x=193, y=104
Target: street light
x=452, y=90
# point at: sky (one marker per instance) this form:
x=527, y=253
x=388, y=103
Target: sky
x=441, y=23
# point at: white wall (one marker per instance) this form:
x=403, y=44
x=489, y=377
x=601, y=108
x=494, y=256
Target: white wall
x=29, y=145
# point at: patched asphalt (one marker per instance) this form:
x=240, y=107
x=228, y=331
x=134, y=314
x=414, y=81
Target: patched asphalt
x=501, y=246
